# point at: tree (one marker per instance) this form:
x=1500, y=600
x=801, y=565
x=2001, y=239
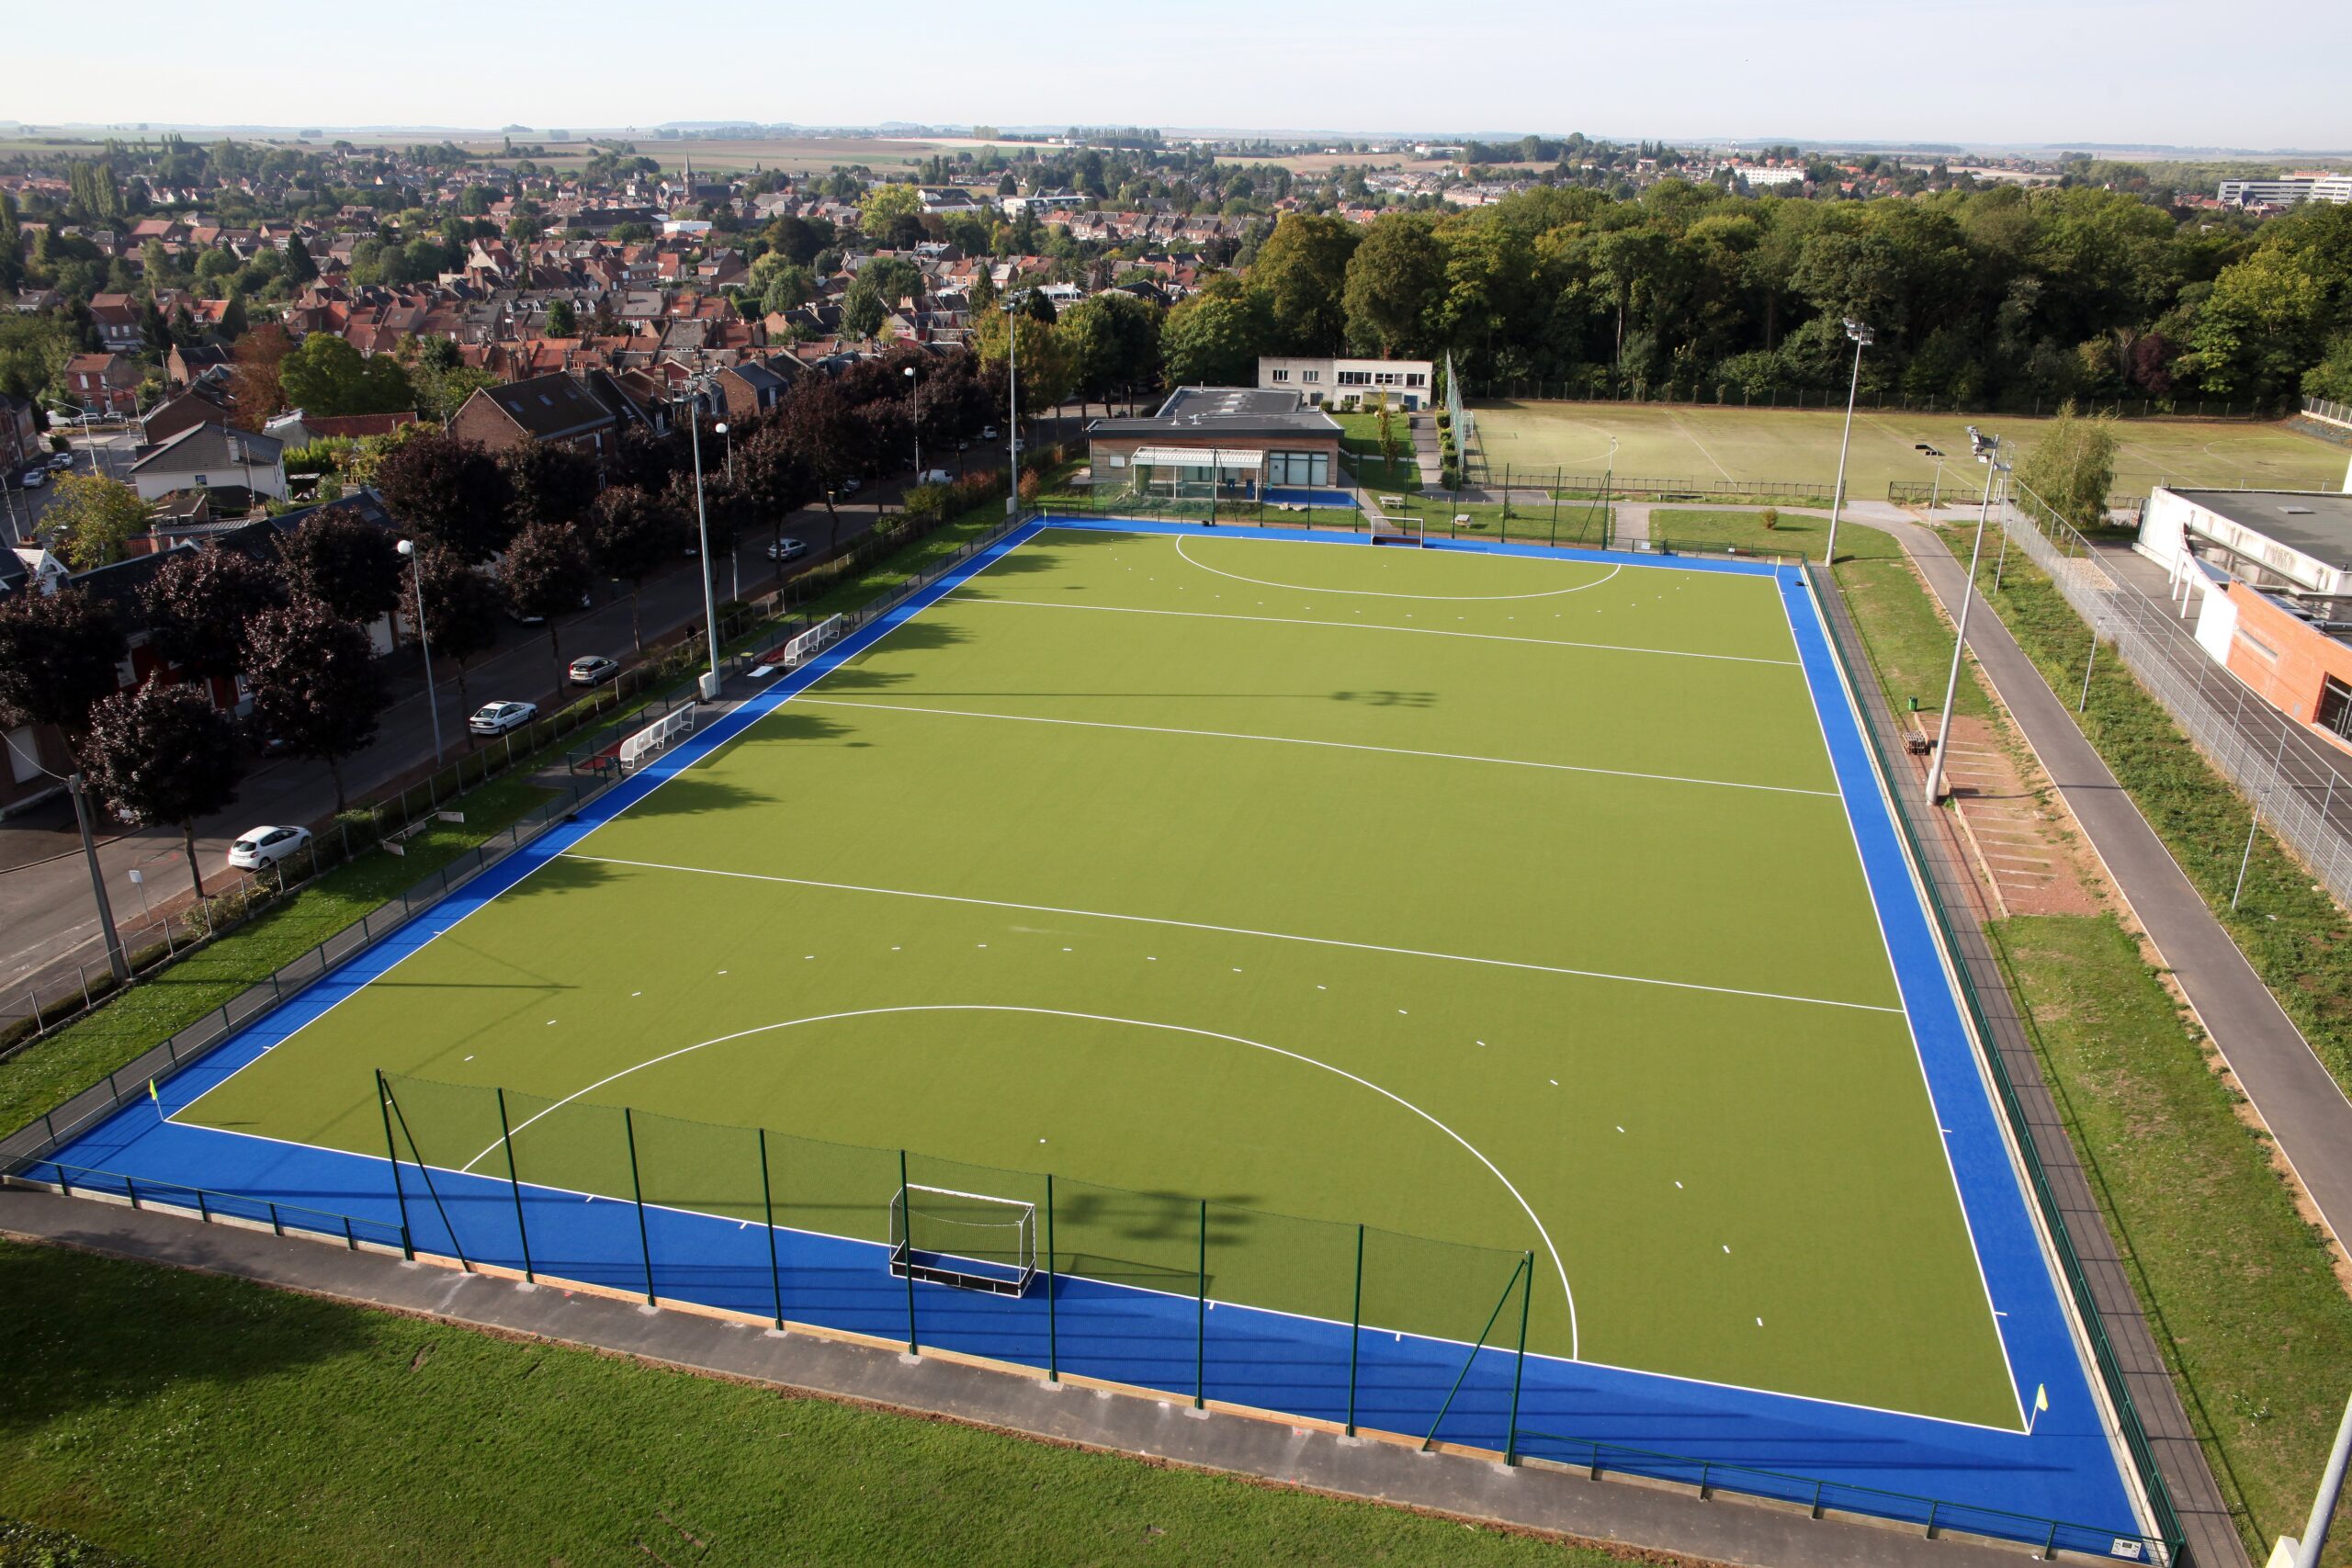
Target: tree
x=631, y=534
x=343, y=561
x=862, y=309
x=789, y=288
x=2071, y=467
x=894, y=278
x=544, y=575
x=1303, y=269
x=200, y=605
x=316, y=686
x=1397, y=272
x=1044, y=365
x=327, y=375
x=299, y=267
x=92, y=517
x=777, y=481
x=164, y=754
x=461, y=605
x=550, y=483
x=1213, y=338
x=882, y=203
x=1113, y=340
x=257, y=357
x=562, y=321
x=450, y=491
x=58, y=654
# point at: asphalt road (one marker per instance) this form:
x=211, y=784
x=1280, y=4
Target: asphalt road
x=22, y=509
x=47, y=913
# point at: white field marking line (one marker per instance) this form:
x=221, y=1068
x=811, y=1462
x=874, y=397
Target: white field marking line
x=1367, y=626
x=1301, y=740
x=1374, y=593
x=1918, y=1055
x=1692, y=435
x=1235, y=931
x=1092, y=1018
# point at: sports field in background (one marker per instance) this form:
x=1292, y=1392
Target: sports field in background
x=1713, y=445
x=1510, y=902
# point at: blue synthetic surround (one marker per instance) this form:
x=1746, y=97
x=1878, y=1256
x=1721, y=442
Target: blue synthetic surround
x=1883, y=1463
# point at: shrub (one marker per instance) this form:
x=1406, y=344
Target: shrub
x=1770, y=517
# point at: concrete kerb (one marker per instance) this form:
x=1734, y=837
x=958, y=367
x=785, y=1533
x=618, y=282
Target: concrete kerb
x=1538, y=1497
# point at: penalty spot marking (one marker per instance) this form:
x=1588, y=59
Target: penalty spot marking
x=1375, y=593
x=1472, y=1148
x=1232, y=931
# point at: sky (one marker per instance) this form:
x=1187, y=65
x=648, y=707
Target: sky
x=1973, y=72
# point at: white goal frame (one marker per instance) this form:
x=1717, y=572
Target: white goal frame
x=655, y=738
x=962, y=1271
x=1408, y=529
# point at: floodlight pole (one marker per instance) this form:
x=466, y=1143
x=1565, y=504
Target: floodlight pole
x=1992, y=459
x=918, y=391
x=1013, y=404
x=702, y=525
x=116, y=961
x=1861, y=336
x=2331, y=1487
x=432, y=694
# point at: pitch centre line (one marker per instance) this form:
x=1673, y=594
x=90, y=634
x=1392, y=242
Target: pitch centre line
x=1234, y=930
x=1367, y=626
x=1375, y=593
x=1302, y=741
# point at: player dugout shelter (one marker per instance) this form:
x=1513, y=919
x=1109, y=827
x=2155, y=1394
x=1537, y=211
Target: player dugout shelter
x=1235, y=443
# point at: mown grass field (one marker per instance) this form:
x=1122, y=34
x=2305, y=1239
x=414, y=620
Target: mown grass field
x=1717, y=445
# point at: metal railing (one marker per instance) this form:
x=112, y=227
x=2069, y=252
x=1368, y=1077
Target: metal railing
x=2294, y=778
x=212, y=1205
x=2105, y=1359
x=1702, y=393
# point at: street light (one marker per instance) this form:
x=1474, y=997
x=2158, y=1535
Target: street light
x=1987, y=449
x=917, y=387
x=1861, y=336
x=720, y=428
x=432, y=701
x=709, y=686
x=1936, y=495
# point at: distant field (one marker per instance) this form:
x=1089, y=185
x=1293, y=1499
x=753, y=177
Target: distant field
x=797, y=155
x=1708, y=444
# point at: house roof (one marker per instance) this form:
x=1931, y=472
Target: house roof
x=2317, y=524
x=1224, y=411
x=209, y=446
x=548, y=407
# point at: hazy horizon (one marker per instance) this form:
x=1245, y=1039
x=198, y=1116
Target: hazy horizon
x=1977, y=73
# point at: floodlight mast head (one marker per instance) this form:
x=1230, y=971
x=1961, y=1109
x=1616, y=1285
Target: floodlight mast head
x=1859, y=332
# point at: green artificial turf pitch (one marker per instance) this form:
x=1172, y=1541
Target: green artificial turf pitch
x=1504, y=902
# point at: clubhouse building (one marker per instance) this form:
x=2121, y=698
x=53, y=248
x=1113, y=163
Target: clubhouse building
x=1236, y=443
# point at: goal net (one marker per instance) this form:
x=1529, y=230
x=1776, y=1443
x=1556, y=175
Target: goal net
x=810, y=643
x=1402, y=530
x=967, y=1240
x=655, y=738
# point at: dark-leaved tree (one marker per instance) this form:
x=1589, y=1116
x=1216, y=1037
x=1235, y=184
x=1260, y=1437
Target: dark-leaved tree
x=461, y=605
x=544, y=575
x=316, y=686
x=58, y=657
x=450, y=491
x=164, y=754
x=200, y=605
x=550, y=483
x=343, y=561
x=631, y=534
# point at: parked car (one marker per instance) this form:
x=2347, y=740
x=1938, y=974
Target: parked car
x=851, y=486
x=59, y=461
x=497, y=719
x=987, y=432
x=34, y=479
x=258, y=847
x=787, y=550
x=592, y=670
x=934, y=477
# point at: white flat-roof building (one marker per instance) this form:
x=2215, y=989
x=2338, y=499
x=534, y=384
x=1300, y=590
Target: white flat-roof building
x=1409, y=384
x=2289, y=192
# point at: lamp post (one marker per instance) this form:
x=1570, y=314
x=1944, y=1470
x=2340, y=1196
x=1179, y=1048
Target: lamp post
x=1862, y=336
x=918, y=390
x=432, y=697
x=720, y=428
x=1988, y=452
x=709, y=686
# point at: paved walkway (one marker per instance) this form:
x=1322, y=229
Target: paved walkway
x=2293, y=1093
x=1541, y=1498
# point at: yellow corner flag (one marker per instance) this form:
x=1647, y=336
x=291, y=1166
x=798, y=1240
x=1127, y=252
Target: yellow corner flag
x=2040, y=1397
x=152, y=1094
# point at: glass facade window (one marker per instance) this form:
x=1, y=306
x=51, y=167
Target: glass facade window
x=2335, y=706
x=1304, y=469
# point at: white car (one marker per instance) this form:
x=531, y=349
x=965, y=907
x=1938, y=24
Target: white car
x=934, y=477
x=497, y=719
x=36, y=479
x=258, y=847
x=987, y=432
x=787, y=550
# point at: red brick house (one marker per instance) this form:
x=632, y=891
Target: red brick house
x=560, y=408
x=104, y=384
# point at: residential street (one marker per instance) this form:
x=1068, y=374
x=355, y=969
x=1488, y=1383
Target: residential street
x=45, y=889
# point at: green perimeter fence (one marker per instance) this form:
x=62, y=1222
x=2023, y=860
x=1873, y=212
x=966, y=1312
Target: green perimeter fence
x=1710, y=394
x=2108, y=1363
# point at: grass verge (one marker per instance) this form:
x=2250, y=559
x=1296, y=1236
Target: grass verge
x=50, y=1071
x=1909, y=640
x=2245, y=1306
x=1795, y=534
x=205, y=1421
x=2293, y=933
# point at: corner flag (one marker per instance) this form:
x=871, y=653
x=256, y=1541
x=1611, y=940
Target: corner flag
x=2040, y=1404
x=152, y=1094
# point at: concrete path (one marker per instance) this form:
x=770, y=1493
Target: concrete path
x=1566, y=1502
x=1427, y=454
x=2293, y=1093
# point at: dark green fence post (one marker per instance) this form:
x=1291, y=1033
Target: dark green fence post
x=514, y=1184
x=392, y=1153
x=1519, y=1368
x=907, y=1221
x=636, y=1192
x=1355, y=1332
x=1053, y=1335
x=1201, y=1317
x=767, y=1209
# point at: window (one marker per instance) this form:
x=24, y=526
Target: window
x=1281, y=375
x=1355, y=378
x=1310, y=374
x=2335, y=706
x=1305, y=468
x=1414, y=378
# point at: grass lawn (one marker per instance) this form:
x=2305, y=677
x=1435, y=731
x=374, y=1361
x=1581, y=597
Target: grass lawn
x=1712, y=445
x=191, y=1420
x=46, y=1073
x=1796, y=534
x=1906, y=634
x=1359, y=437
x=2247, y=1312
x=2295, y=936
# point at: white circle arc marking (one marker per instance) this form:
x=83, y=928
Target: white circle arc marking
x=1567, y=1291
x=1377, y=593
